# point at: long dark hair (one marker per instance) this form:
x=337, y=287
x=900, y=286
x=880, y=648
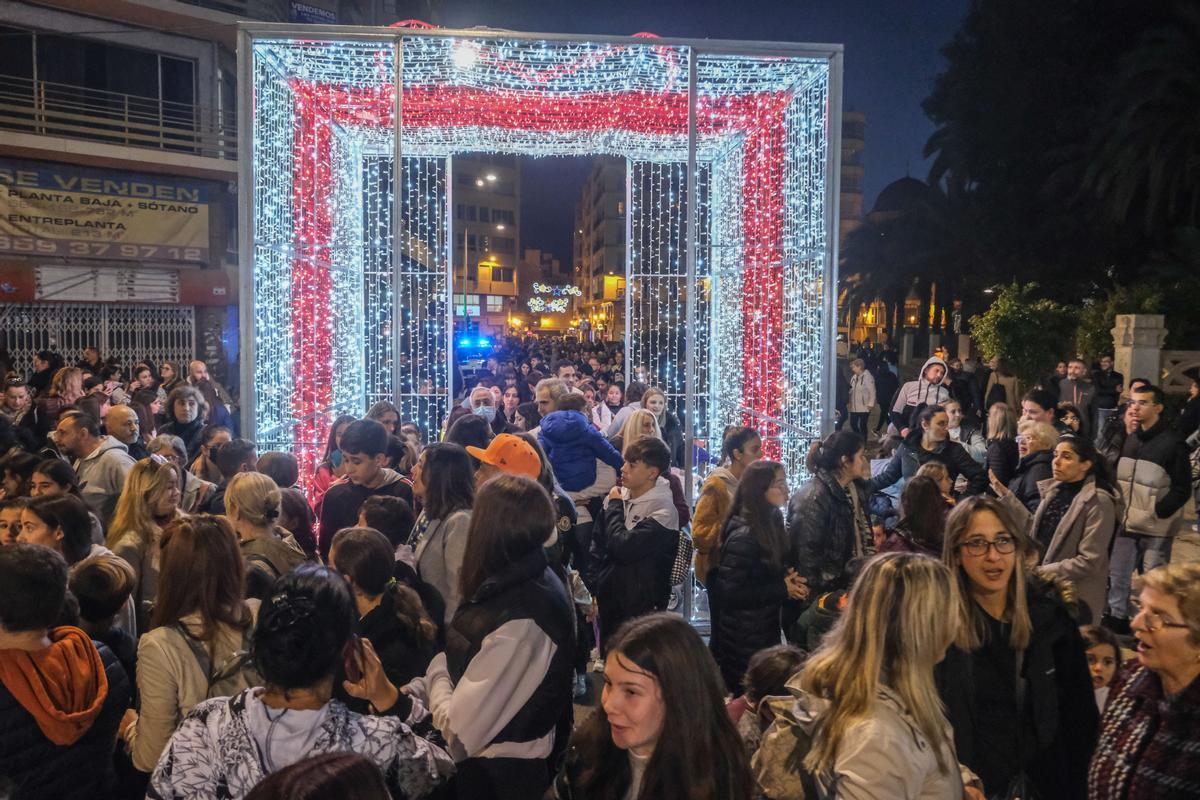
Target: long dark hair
x=366, y=557
x=331, y=442
x=699, y=755
x=201, y=572
x=1086, y=450
x=346, y=776
x=513, y=517
x=303, y=626
x=529, y=413
x=69, y=513
x=924, y=512
x=750, y=504
x=449, y=480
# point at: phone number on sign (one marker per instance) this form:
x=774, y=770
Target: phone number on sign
x=46, y=247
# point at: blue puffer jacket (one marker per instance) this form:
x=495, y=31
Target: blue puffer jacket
x=572, y=444
x=41, y=769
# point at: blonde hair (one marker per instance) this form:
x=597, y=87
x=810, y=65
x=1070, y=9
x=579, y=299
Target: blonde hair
x=1000, y=422
x=64, y=379
x=631, y=431
x=254, y=497
x=651, y=392
x=894, y=629
x=148, y=479
x=1180, y=580
x=1041, y=432
x=935, y=469
x=972, y=629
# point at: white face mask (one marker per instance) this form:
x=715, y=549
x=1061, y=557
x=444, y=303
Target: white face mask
x=487, y=412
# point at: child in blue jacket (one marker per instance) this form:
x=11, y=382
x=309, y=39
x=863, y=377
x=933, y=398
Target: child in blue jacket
x=573, y=444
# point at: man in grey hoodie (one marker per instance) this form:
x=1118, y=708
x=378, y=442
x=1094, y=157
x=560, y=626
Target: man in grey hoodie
x=101, y=462
x=928, y=389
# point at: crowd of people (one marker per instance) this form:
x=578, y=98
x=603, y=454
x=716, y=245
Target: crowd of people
x=483, y=611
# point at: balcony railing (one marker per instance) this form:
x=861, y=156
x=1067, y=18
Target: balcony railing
x=77, y=112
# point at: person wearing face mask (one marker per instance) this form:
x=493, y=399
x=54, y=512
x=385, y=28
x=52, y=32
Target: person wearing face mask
x=187, y=411
x=930, y=441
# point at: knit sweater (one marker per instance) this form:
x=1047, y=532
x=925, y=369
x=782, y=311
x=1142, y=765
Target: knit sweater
x=1149, y=743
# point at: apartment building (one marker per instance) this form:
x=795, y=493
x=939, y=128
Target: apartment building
x=118, y=173
x=600, y=248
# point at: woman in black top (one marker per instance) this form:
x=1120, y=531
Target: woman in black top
x=390, y=614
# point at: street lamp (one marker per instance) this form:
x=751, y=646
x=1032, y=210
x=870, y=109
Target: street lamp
x=491, y=177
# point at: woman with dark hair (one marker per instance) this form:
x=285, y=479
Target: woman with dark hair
x=828, y=517
x=1015, y=684
x=199, y=615
x=147, y=407
x=218, y=412
x=66, y=389
x=1075, y=522
x=187, y=411
x=662, y=705
x=227, y=745
x=470, y=431
x=527, y=417
x=444, y=482
x=741, y=447
x=346, y=776
x=501, y=692
x=53, y=476
x=296, y=517
x=331, y=467
x=60, y=523
x=929, y=440
x=390, y=614
x=923, y=511
x=204, y=464
x=16, y=472
x=168, y=372
x=45, y=364
x=749, y=586
x=614, y=398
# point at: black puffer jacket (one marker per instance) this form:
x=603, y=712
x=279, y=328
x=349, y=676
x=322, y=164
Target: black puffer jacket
x=750, y=592
x=910, y=455
x=820, y=525
x=1002, y=459
x=1061, y=722
x=82, y=771
x=1031, y=470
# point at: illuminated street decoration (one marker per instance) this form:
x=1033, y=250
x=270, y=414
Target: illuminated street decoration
x=351, y=244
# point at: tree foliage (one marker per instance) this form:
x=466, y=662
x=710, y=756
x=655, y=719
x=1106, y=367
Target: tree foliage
x=1029, y=331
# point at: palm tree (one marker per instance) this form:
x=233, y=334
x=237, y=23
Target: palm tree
x=1146, y=159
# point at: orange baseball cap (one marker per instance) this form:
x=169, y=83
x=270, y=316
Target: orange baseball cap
x=510, y=454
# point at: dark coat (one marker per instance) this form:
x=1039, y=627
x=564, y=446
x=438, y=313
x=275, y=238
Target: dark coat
x=672, y=431
x=82, y=771
x=910, y=455
x=1061, y=721
x=189, y=432
x=401, y=653
x=1031, y=470
x=1002, y=459
x=820, y=526
x=632, y=566
x=751, y=591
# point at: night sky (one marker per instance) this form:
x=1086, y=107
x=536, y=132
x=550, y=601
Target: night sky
x=891, y=58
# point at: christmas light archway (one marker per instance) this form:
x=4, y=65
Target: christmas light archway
x=348, y=184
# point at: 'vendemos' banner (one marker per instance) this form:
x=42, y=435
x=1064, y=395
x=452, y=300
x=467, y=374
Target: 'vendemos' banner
x=63, y=210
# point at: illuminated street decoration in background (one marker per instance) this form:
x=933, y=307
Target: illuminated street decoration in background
x=558, y=303
x=351, y=251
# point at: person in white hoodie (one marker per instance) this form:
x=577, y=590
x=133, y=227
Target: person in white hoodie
x=101, y=462
x=635, y=547
x=928, y=389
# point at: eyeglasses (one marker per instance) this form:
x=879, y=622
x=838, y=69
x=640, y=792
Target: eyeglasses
x=979, y=546
x=1154, y=621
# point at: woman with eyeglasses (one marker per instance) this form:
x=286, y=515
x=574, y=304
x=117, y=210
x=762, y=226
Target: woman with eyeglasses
x=1015, y=683
x=1150, y=735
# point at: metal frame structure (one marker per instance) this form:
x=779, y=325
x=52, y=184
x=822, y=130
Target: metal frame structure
x=832, y=54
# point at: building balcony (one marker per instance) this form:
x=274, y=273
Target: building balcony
x=54, y=121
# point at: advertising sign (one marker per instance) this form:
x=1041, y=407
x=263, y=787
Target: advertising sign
x=75, y=212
